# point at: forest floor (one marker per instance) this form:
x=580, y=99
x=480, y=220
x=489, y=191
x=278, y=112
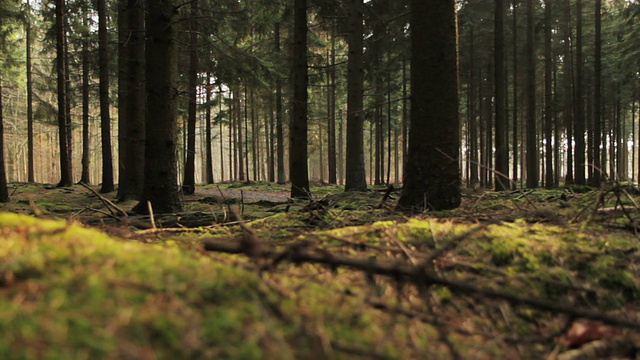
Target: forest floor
x=245, y=272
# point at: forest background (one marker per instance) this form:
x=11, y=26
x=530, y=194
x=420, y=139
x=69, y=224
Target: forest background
x=568, y=72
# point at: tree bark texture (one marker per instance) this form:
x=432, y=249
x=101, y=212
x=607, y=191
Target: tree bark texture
x=298, y=166
x=432, y=177
x=161, y=170
x=355, y=168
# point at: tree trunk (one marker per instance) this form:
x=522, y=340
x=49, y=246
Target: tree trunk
x=432, y=178
x=298, y=167
x=279, y=122
x=567, y=86
x=548, y=102
x=65, y=160
x=105, y=120
x=532, y=143
x=208, y=139
x=86, y=148
x=501, y=129
x=131, y=99
x=579, y=124
x=161, y=170
x=355, y=168
x=514, y=128
x=4, y=192
x=189, y=181
x=331, y=103
x=597, y=97
x=30, y=162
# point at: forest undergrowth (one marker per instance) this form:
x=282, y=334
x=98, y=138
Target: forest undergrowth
x=245, y=272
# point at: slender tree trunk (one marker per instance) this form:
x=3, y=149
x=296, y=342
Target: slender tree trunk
x=208, y=138
x=4, y=192
x=298, y=166
x=501, y=129
x=30, y=135
x=567, y=85
x=548, y=100
x=331, y=128
x=271, y=139
x=105, y=120
x=279, y=121
x=580, y=122
x=86, y=148
x=355, y=168
x=65, y=161
x=189, y=181
x=514, y=128
x=161, y=170
x=597, y=97
x=405, y=115
x=432, y=179
x=532, y=144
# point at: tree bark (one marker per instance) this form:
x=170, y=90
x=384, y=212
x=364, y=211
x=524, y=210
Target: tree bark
x=30, y=162
x=161, y=170
x=532, y=143
x=105, y=120
x=279, y=122
x=355, y=168
x=548, y=97
x=4, y=192
x=131, y=99
x=189, y=181
x=208, y=139
x=63, y=133
x=501, y=128
x=579, y=121
x=597, y=98
x=432, y=178
x=298, y=166
x=86, y=146
x=331, y=103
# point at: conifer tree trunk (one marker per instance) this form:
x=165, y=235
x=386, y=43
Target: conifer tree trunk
x=279, y=122
x=30, y=162
x=131, y=98
x=355, y=168
x=567, y=87
x=579, y=123
x=63, y=133
x=548, y=102
x=189, y=181
x=105, y=120
x=514, y=128
x=501, y=137
x=331, y=103
x=4, y=192
x=432, y=178
x=208, y=139
x=298, y=166
x=86, y=158
x=161, y=170
x=597, y=97
x=532, y=144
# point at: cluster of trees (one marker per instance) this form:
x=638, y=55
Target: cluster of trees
x=540, y=92
x=549, y=91
x=242, y=65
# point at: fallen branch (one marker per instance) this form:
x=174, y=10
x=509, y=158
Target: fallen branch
x=402, y=271
x=113, y=208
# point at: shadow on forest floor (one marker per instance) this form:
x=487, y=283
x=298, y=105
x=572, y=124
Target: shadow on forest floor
x=246, y=272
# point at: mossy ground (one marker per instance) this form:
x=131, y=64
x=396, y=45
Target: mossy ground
x=70, y=291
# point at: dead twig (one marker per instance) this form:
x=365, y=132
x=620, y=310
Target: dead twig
x=417, y=275
x=113, y=208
